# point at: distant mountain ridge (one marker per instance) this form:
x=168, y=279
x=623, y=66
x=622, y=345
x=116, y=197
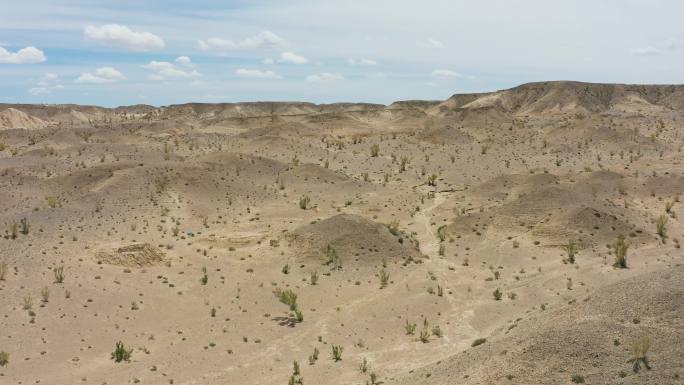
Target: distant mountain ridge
x=541, y=98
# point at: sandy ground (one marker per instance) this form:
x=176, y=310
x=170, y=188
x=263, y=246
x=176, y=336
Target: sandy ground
x=174, y=226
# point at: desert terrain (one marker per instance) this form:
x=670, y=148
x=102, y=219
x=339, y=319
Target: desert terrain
x=524, y=236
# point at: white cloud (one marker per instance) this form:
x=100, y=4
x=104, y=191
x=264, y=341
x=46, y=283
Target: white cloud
x=158, y=65
x=446, y=74
x=324, y=77
x=164, y=70
x=184, y=61
x=101, y=75
x=646, y=51
x=46, y=84
x=265, y=39
x=434, y=43
x=26, y=55
x=268, y=60
x=39, y=91
x=256, y=74
x=668, y=45
x=115, y=35
x=293, y=58
x=361, y=62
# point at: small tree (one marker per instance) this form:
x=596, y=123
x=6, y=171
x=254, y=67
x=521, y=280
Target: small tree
x=120, y=353
x=620, y=247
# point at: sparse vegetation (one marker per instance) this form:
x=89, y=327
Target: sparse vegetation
x=337, y=352
x=304, y=202
x=620, y=247
x=639, y=349
x=571, y=251
x=661, y=223
x=375, y=150
x=58, y=272
x=384, y=278
x=120, y=353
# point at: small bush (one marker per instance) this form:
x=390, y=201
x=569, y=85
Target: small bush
x=24, y=224
x=59, y=274
x=45, y=294
x=314, y=357
x=287, y=297
x=337, y=352
x=577, y=379
x=661, y=222
x=571, y=250
x=120, y=353
x=639, y=350
x=410, y=328
x=304, y=202
x=3, y=270
x=497, y=295
x=384, y=278
x=620, y=247
x=4, y=358
x=375, y=150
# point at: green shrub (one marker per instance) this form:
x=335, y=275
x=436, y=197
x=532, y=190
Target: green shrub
x=375, y=150
x=59, y=274
x=571, y=250
x=337, y=352
x=384, y=278
x=661, y=222
x=120, y=353
x=620, y=247
x=3, y=270
x=304, y=202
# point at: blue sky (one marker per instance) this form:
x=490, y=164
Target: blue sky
x=162, y=52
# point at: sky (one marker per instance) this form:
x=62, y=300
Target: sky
x=161, y=52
